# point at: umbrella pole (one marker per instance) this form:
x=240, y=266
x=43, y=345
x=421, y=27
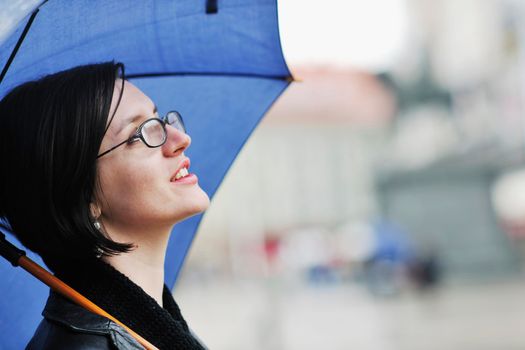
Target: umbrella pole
x=17, y=257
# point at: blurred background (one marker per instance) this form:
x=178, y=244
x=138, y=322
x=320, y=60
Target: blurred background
x=381, y=202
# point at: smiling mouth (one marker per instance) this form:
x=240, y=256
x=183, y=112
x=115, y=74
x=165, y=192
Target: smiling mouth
x=183, y=172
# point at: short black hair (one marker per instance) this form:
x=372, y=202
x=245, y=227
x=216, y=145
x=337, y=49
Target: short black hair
x=51, y=131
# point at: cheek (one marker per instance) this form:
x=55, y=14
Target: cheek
x=124, y=186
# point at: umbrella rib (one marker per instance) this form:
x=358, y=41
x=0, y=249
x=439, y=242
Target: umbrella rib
x=18, y=44
x=244, y=75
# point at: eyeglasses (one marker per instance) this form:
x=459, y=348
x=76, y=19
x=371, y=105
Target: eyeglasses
x=152, y=132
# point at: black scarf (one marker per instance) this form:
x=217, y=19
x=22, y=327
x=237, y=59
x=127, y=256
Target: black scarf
x=127, y=302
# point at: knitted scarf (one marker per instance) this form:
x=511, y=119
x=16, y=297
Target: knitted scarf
x=127, y=302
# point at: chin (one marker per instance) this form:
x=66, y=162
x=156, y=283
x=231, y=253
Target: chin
x=198, y=204
x=202, y=204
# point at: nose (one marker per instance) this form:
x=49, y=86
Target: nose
x=176, y=142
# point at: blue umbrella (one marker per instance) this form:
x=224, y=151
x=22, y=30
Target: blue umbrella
x=219, y=63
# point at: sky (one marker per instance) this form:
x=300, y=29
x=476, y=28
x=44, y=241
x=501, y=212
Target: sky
x=367, y=34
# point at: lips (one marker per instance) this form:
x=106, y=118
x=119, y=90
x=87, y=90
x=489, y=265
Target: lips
x=182, y=170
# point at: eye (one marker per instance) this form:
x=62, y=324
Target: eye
x=133, y=138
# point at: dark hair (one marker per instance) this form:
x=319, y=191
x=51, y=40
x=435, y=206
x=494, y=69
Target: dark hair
x=52, y=129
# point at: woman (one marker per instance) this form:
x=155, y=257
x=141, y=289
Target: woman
x=96, y=180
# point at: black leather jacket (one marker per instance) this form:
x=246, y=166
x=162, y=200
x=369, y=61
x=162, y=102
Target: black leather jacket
x=70, y=326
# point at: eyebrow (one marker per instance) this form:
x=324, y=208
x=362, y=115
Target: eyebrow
x=133, y=119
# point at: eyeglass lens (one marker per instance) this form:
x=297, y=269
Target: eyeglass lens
x=174, y=119
x=154, y=132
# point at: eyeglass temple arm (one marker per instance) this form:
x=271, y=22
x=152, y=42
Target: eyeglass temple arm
x=112, y=148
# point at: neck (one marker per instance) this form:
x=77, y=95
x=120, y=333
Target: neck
x=144, y=265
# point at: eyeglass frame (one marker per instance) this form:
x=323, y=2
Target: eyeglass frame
x=138, y=134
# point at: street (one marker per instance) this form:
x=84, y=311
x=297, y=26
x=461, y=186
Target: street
x=272, y=317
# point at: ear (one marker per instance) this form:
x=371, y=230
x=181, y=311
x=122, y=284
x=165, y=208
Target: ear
x=94, y=210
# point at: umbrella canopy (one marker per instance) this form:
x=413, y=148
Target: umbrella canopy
x=217, y=62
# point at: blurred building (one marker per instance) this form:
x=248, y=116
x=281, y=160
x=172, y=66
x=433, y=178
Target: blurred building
x=459, y=128
x=309, y=164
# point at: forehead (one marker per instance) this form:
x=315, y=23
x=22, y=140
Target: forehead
x=134, y=103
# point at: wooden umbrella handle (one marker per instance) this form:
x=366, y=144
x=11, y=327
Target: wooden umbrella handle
x=62, y=288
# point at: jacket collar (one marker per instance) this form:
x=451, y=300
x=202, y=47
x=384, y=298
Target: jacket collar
x=70, y=315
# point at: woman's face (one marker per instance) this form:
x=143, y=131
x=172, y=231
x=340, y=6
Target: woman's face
x=137, y=184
